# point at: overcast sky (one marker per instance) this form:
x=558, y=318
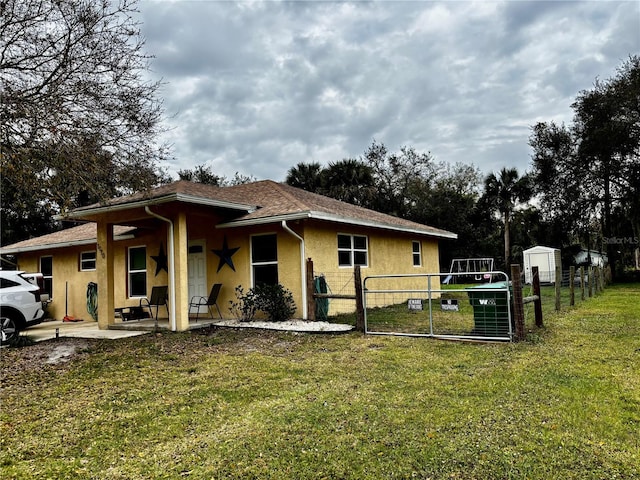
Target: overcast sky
x=257, y=87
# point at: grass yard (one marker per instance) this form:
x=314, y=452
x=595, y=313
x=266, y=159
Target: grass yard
x=247, y=404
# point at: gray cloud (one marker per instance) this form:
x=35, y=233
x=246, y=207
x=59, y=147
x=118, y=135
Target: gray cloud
x=257, y=87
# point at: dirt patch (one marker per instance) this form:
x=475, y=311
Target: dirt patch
x=41, y=355
x=64, y=353
x=57, y=355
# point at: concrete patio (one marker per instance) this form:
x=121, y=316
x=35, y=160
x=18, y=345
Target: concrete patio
x=82, y=329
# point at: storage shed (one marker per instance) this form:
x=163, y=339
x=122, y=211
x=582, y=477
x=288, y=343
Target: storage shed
x=546, y=259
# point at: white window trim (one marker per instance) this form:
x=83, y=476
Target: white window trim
x=352, y=250
x=418, y=253
x=129, y=272
x=82, y=260
x=254, y=264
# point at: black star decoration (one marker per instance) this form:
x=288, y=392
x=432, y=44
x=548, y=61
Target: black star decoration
x=225, y=254
x=161, y=261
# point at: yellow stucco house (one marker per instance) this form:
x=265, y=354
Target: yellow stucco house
x=189, y=236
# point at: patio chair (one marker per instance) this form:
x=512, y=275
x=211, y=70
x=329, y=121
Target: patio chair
x=209, y=302
x=158, y=297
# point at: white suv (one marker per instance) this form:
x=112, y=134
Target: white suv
x=21, y=304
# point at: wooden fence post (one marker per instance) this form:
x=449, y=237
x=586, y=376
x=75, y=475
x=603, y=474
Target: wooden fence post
x=311, y=300
x=582, y=283
x=590, y=280
x=537, y=304
x=518, y=305
x=572, y=288
x=558, y=284
x=600, y=280
x=357, y=276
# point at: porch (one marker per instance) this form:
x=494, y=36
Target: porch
x=162, y=323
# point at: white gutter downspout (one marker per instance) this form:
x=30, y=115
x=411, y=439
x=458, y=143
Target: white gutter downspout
x=303, y=268
x=172, y=262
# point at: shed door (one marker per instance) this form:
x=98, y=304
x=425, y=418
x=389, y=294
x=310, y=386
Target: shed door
x=197, y=271
x=543, y=262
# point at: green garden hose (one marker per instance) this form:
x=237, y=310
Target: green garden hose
x=92, y=300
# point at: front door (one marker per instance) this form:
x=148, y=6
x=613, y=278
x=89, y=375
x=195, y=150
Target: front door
x=197, y=272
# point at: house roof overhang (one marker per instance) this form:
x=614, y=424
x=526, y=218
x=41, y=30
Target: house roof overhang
x=324, y=216
x=65, y=244
x=92, y=212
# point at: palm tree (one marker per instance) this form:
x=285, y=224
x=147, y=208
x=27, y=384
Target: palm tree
x=306, y=176
x=349, y=180
x=502, y=193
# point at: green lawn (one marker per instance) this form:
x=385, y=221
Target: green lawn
x=247, y=404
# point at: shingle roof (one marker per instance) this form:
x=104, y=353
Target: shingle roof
x=84, y=234
x=259, y=202
x=282, y=200
x=267, y=201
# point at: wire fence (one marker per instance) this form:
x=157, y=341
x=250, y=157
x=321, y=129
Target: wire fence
x=338, y=284
x=573, y=289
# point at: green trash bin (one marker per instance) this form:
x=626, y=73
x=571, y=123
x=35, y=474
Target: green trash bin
x=490, y=309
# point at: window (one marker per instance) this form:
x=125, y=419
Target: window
x=137, y=271
x=417, y=254
x=46, y=268
x=6, y=283
x=87, y=261
x=352, y=250
x=264, y=259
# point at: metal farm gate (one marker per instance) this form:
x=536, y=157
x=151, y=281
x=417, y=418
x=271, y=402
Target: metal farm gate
x=419, y=305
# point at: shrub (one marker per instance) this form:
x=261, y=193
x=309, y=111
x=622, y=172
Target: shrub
x=274, y=300
x=244, y=308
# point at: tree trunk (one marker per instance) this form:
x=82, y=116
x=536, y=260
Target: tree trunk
x=611, y=250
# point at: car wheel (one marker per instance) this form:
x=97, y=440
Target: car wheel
x=8, y=330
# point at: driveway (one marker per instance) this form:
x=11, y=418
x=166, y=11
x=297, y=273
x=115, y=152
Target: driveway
x=83, y=329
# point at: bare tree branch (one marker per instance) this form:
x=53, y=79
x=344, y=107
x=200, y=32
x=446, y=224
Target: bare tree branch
x=77, y=106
